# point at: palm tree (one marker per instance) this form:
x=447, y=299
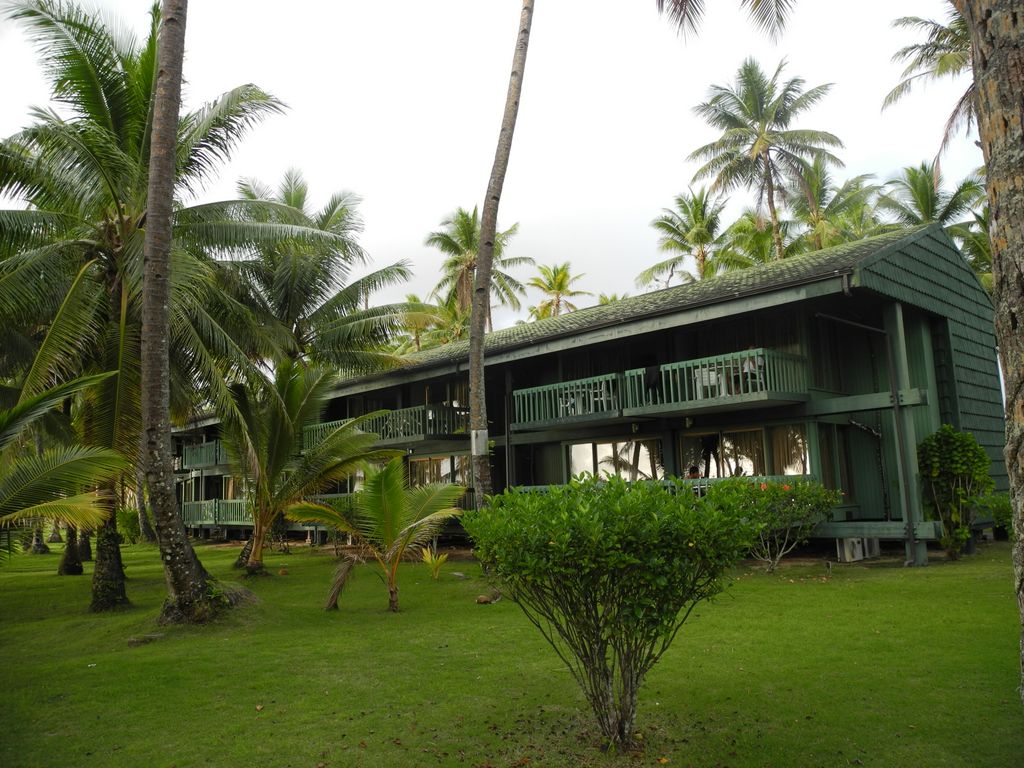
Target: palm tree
x=304, y=290
x=189, y=597
x=610, y=298
x=58, y=484
x=690, y=230
x=555, y=282
x=916, y=197
x=996, y=28
x=265, y=446
x=750, y=242
x=459, y=241
x=387, y=519
x=976, y=244
x=759, y=145
x=945, y=53
x=770, y=15
x=85, y=179
x=825, y=210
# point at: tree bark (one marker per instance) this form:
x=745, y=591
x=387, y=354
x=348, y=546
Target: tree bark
x=38, y=546
x=189, y=594
x=481, y=465
x=70, y=563
x=772, y=212
x=108, y=582
x=145, y=529
x=84, y=547
x=997, y=49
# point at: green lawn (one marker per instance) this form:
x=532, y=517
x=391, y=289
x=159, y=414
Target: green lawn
x=875, y=666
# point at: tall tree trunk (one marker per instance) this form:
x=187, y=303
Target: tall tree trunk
x=70, y=563
x=997, y=49
x=189, y=597
x=38, y=546
x=84, y=547
x=145, y=529
x=108, y=582
x=769, y=184
x=484, y=261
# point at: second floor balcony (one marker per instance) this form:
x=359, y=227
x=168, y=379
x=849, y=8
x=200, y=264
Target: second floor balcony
x=746, y=379
x=203, y=455
x=403, y=425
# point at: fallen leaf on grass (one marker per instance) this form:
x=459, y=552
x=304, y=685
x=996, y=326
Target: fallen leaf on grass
x=259, y=707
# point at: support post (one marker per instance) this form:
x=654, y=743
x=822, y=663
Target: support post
x=906, y=435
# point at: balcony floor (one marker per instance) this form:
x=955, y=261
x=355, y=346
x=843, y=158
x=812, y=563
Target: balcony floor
x=744, y=402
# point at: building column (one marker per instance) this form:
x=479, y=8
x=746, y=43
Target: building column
x=906, y=435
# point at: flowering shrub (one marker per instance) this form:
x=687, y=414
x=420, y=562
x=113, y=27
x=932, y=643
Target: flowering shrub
x=785, y=513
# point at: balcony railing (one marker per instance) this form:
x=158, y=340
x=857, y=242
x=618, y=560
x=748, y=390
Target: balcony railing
x=234, y=511
x=403, y=424
x=720, y=378
x=204, y=455
x=568, y=400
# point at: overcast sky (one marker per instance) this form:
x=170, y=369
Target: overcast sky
x=401, y=101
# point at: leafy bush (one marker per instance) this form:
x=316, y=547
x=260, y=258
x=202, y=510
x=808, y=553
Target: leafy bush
x=954, y=474
x=608, y=573
x=785, y=512
x=999, y=507
x=128, y=524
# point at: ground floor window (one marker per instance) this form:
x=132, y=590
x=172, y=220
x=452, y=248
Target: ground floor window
x=631, y=460
x=778, y=450
x=439, y=469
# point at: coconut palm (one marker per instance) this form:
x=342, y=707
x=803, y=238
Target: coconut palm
x=917, y=197
x=459, y=241
x=759, y=145
x=387, y=519
x=825, y=210
x=768, y=15
x=692, y=229
x=555, y=282
x=944, y=53
x=74, y=256
x=58, y=484
x=304, y=288
x=266, y=452
x=610, y=298
x=976, y=244
x=750, y=242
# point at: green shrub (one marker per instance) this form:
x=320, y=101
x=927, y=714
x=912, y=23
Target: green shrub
x=785, y=512
x=999, y=507
x=608, y=573
x=954, y=475
x=128, y=524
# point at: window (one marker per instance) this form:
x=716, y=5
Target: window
x=629, y=459
x=438, y=469
x=789, y=450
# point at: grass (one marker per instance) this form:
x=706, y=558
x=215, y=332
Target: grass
x=873, y=666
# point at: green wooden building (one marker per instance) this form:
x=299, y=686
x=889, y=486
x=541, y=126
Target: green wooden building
x=833, y=364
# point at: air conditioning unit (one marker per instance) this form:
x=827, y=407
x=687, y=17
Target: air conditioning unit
x=849, y=550
x=852, y=550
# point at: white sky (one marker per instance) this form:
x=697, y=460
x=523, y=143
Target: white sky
x=401, y=101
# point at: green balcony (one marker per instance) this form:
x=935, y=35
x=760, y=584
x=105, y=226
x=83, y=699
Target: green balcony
x=235, y=512
x=750, y=378
x=580, y=400
x=203, y=455
x=404, y=425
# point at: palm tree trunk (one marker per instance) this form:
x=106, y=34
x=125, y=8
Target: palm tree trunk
x=997, y=42
x=145, y=529
x=769, y=183
x=108, y=590
x=189, y=597
x=85, y=548
x=70, y=563
x=484, y=261
x=258, y=540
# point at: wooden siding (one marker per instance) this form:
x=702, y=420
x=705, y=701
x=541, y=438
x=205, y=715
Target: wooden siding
x=930, y=273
